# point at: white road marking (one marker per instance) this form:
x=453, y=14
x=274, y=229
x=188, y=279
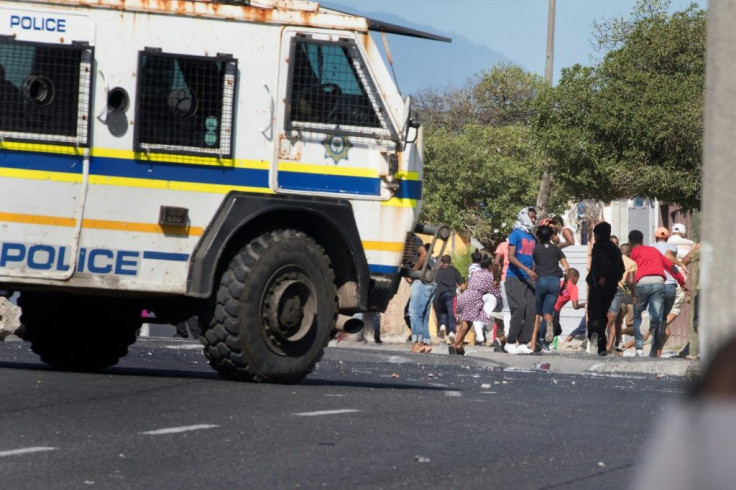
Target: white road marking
x=326, y=412
x=176, y=430
x=25, y=450
x=453, y=393
x=184, y=347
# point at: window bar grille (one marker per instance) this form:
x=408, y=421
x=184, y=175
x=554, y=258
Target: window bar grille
x=63, y=74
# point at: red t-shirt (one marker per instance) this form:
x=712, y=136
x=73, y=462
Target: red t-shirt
x=650, y=262
x=570, y=293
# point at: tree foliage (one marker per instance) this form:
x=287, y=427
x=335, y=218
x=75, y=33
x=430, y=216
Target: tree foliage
x=632, y=126
x=476, y=180
x=481, y=165
x=502, y=96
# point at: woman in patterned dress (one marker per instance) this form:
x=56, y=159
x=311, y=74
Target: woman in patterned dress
x=470, y=303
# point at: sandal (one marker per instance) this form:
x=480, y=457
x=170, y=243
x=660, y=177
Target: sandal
x=426, y=349
x=460, y=351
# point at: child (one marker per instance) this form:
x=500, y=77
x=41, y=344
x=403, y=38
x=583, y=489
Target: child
x=568, y=293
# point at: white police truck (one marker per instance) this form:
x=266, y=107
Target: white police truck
x=252, y=163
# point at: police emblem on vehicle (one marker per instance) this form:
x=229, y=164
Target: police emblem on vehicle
x=337, y=147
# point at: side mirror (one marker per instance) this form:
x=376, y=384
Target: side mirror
x=412, y=124
x=411, y=121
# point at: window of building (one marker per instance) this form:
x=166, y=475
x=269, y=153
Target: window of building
x=329, y=89
x=45, y=92
x=185, y=104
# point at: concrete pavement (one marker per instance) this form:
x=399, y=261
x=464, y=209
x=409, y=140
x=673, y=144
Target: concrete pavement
x=568, y=359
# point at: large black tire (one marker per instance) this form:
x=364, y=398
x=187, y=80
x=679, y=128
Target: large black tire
x=276, y=307
x=78, y=333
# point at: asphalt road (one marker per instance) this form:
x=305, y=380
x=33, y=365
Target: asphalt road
x=363, y=419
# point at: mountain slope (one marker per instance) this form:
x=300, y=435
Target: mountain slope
x=421, y=63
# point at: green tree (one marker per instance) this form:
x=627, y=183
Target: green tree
x=632, y=125
x=481, y=165
x=501, y=96
x=477, y=180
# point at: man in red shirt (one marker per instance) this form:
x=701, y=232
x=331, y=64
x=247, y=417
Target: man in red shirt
x=647, y=286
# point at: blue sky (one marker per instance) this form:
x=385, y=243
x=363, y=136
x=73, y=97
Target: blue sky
x=514, y=28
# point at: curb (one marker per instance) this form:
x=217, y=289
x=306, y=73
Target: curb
x=564, y=362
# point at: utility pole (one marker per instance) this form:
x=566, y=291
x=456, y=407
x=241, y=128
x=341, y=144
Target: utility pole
x=546, y=183
x=717, y=268
x=550, y=42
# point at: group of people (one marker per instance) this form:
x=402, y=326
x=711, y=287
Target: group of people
x=525, y=283
x=537, y=282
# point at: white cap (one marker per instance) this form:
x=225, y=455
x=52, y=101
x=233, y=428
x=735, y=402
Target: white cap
x=679, y=228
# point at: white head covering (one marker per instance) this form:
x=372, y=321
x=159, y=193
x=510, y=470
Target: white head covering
x=523, y=221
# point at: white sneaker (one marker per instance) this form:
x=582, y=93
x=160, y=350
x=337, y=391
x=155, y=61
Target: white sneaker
x=451, y=338
x=510, y=348
x=639, y=353
x=441, y=333
x=523, y=349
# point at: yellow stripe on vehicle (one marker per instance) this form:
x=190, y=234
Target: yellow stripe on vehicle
x=397, y=202
x=404, y=175
x=180, y=159
x=95, y=224
x=174, y=185
x=307, y=168
x=40, y=147
x=37, y=220
x=98, y=224
x=41, y=175
x=384, y=246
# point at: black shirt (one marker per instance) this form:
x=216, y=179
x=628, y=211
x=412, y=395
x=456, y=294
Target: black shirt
x=447, y=279
x=546, y=260
x=605, y=262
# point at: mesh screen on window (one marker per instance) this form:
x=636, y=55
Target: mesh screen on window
x=185, y=104
x=44, y=92
x=328, y=86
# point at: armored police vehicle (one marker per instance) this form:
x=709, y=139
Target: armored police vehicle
x=252, y=163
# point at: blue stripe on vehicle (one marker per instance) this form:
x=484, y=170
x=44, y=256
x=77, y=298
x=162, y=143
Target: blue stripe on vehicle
x=329, y=183
x=47, y=162
x=201, y=174
x=165, y=256
x=204, y=174
x=409, y=189
x=383, y=269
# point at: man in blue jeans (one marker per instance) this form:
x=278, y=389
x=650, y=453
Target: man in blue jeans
x=419, y=305
x=648, y=290
x=669, y=250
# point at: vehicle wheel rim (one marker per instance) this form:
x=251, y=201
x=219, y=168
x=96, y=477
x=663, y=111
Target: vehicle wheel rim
x=289, y=308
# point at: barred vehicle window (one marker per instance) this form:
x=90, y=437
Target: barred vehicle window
x=185, y=104
x=329, y=89
x=45, y=92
